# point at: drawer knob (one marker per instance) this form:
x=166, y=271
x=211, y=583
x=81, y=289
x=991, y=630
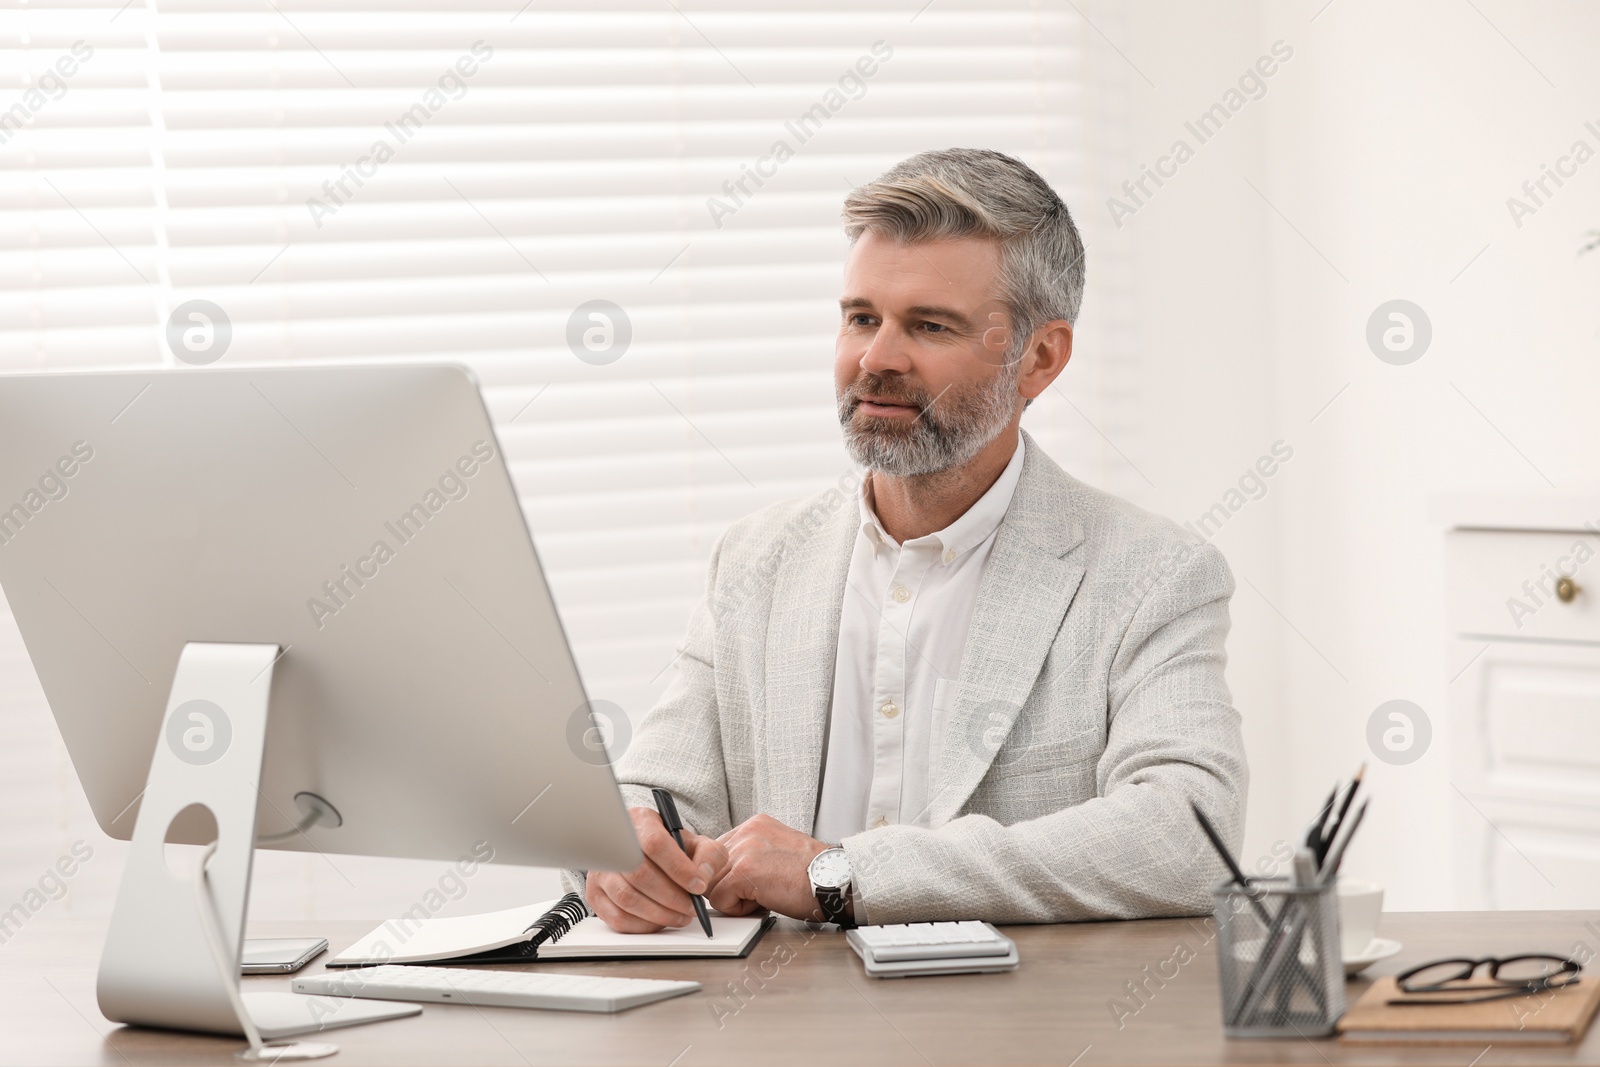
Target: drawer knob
x=1567, y=590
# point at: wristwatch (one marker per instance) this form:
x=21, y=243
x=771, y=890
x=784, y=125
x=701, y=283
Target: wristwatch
x=830, y=881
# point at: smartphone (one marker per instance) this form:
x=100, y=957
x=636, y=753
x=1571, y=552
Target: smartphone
x=280, y=955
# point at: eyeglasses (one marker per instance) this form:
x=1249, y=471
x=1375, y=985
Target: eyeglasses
x=1440, y=982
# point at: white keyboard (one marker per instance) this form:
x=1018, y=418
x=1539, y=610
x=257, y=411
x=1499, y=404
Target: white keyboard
x=931, y=941
x=495, y=989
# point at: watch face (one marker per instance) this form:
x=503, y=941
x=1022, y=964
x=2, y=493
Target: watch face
x=830, y=869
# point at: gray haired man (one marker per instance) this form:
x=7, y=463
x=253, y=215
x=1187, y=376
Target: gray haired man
x=982, y=690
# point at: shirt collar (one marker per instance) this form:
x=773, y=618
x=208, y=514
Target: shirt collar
x=968, y=531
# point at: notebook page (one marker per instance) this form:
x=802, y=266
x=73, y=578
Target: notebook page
x=415, y=940
x=592, y=937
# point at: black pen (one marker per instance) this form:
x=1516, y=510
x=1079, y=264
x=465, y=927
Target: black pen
x=1239, y=877
x=669, y=817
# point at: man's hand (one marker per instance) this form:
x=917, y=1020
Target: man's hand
x=655, y=894
x=767, y=869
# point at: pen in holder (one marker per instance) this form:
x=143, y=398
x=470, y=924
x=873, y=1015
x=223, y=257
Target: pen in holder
x=1278, y=958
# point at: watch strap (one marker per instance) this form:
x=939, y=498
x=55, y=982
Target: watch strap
x=835, y=904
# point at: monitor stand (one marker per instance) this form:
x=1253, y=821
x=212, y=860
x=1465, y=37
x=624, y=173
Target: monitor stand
x=171, y=957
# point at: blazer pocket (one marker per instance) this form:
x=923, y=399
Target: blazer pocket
x=1019, y=757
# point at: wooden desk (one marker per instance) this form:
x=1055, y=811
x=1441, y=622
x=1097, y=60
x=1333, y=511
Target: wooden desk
x=807, y=1002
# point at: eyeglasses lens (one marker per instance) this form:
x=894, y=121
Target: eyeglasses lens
x=1438, y=974
x=1529, y=969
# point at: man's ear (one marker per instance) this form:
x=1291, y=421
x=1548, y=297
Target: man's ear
x=1046, y=357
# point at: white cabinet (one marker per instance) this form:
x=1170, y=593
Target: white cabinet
x=1525, y=716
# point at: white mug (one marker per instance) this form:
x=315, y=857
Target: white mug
x=1360, y=904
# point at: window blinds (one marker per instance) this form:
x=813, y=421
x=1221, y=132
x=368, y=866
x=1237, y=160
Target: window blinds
x=416, y=179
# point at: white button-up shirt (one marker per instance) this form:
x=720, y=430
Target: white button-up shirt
x=902, y=630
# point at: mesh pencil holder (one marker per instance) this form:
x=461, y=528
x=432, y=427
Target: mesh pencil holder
x=1278, y=959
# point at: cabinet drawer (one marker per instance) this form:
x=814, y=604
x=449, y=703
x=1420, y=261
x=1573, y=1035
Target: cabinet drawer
x=1532, y=856
x=1534, y=866
x=1526, y=724
x=1504, y=583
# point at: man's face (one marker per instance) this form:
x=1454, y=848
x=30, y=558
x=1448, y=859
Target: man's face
x=924, y=370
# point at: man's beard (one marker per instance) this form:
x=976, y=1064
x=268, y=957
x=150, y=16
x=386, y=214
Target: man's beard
x=948, y=432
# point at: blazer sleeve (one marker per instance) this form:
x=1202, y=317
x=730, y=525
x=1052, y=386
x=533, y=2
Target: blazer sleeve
x=1132, y=851
x=677, y=746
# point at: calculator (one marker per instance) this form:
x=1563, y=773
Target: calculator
x=906, y=949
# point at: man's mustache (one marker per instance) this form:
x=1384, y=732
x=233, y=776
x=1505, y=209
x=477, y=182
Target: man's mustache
x=886, y=389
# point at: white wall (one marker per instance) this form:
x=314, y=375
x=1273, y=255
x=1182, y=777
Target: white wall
x=1389, y=144
x=1400, y=151
x=1205, y=409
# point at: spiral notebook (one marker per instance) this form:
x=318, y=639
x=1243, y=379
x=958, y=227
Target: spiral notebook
x=555, y=930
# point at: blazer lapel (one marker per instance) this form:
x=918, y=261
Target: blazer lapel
x=1026, y=590
x=802, y=645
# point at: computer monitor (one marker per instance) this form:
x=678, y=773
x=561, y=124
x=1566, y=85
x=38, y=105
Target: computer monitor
x=357, y=522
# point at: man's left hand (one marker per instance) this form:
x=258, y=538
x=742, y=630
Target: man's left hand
x=767, y=868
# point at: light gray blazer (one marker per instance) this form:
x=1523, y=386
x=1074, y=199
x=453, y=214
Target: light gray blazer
x=1090, y=709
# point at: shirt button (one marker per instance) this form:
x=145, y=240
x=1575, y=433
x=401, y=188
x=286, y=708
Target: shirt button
x=949, y=555
x=889, y=710
x=902, y=594
x=881, y=822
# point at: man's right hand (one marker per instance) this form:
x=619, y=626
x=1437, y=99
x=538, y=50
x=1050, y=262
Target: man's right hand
x=655, y=894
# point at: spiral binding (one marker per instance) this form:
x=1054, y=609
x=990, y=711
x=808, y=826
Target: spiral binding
x=553, y=925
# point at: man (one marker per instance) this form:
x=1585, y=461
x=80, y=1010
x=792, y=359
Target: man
x=984, y=690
